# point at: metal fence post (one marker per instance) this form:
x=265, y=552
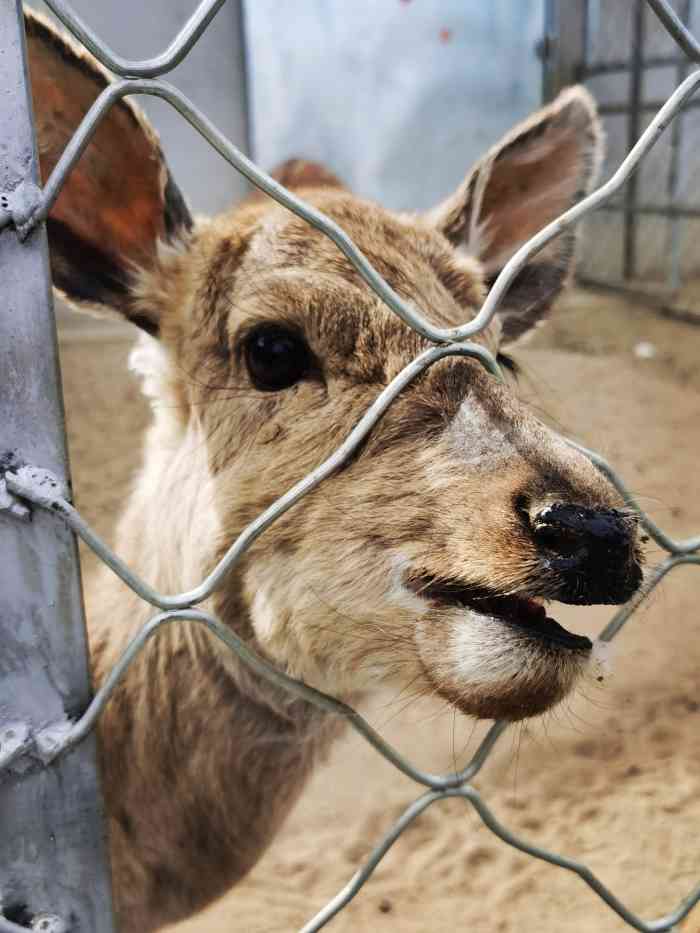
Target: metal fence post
x=53, y=854
x=563, y=49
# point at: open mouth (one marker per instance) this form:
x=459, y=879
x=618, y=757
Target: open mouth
x=525, y=613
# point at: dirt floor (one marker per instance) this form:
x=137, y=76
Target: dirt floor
x=613, y=779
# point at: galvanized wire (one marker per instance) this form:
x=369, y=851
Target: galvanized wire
x=150, y=67
x=31, y=484
x=675, y=27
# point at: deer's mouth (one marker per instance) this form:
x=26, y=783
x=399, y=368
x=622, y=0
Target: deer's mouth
x=525, y=613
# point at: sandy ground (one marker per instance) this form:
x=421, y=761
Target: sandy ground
x=613, y=779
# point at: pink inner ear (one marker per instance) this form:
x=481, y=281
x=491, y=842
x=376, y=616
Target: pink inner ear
x=527, y=189
x=113, y=199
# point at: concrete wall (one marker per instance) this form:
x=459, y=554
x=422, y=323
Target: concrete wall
x=399, y=97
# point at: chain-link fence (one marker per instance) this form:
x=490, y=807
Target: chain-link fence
x=39, y=744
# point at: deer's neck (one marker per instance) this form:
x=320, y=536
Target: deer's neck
x=198, y=777
x=199, y=769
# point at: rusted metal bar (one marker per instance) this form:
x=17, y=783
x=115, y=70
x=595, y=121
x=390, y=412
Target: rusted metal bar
x=629, y=261
x=621, y=65
x=563, y=49
x=650, y=106
x=675, y=224
x=655, y=210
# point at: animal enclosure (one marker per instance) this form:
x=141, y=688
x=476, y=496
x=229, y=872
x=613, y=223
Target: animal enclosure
x=30, y=751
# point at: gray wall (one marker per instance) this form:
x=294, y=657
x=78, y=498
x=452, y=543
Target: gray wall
x=399, y=97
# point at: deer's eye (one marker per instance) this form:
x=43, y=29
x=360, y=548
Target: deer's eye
x=276, y=357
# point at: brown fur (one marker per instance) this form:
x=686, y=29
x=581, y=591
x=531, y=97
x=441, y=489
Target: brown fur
x=202, y=760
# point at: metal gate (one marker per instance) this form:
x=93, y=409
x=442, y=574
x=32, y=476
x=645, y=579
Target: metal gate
x=644, y=240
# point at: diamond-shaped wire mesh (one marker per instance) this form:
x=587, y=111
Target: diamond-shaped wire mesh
x=30, y=483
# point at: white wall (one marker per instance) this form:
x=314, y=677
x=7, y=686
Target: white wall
x=399, y=97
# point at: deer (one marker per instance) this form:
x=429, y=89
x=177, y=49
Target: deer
x=429, y=557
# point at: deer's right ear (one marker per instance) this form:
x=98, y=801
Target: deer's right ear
x=119, y=200
x=536, y=172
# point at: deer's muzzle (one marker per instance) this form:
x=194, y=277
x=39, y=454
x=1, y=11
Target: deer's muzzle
x=593, y=552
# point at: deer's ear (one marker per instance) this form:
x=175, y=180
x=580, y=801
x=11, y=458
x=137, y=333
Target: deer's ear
x=119, y=200
x=540, y=169
x=298, y=173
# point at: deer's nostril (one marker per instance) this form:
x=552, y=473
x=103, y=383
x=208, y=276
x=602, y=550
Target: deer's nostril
x=560, y=540
x=565, y=526
x=593, y=551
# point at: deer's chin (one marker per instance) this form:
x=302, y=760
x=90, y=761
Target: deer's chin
x=495, y=668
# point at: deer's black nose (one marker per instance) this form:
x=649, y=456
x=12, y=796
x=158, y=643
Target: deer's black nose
x=592, y=551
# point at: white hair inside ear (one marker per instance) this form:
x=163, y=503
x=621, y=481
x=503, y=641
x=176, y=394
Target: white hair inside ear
x=537, y=171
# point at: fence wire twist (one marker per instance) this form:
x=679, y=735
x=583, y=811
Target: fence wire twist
x=37, y=486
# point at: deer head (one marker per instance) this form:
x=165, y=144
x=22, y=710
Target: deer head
x=429, y=557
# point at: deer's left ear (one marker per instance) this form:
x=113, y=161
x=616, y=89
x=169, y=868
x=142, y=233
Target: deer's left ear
x=119, y=200
x=539, y=170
